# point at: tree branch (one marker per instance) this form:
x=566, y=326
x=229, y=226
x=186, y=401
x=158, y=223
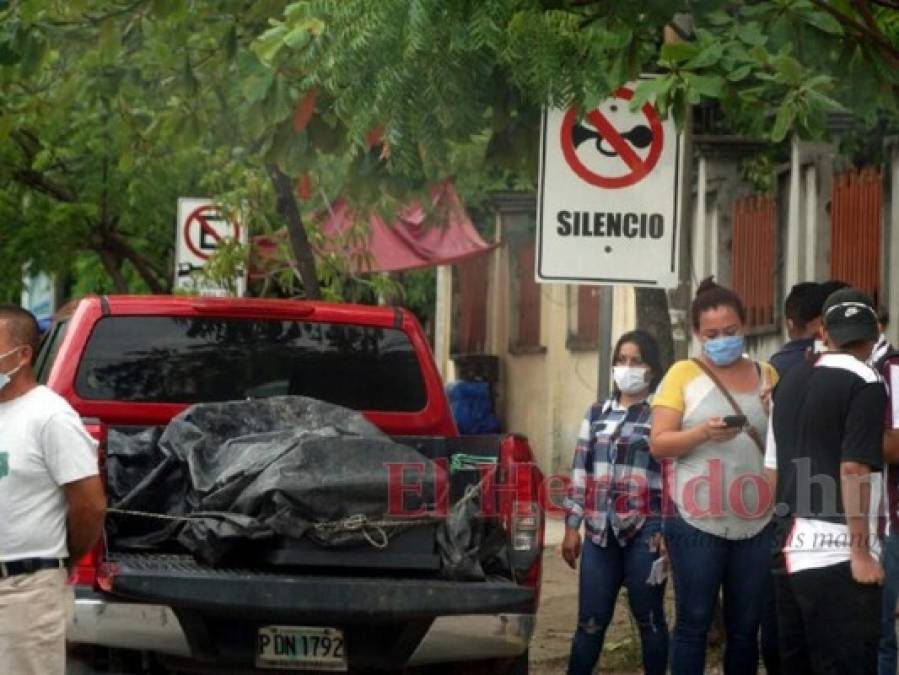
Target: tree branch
x=299, y=242
x=113, y=266
x=874, y=35
x=38, y=181
x=147, y=270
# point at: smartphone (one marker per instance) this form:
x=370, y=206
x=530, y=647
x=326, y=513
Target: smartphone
x=735, y=421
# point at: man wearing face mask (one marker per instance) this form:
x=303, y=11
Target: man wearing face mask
x=52, y=503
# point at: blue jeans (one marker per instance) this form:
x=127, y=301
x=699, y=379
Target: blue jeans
x=701, y=565
x=603, y=571
x=886, y=660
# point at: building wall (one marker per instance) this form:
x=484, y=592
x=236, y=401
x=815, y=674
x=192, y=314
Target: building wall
x=544, y=393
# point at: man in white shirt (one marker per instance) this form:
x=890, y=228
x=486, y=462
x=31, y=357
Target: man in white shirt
x=52, y=502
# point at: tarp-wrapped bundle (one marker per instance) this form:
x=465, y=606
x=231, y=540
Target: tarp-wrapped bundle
x=224, y=474
x=285, y=480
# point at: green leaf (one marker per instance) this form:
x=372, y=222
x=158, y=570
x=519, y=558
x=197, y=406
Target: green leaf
x=7, y=123
x=789, y=68
x=650, y=90
x=707, y=57
x=719, y=18
x=678, y=52
x=740, y=73
x=760, y=54
x=786, y=114
x=823, y=21
x=706, y=85
x=229, y=43
x=255, y=79
x=8, y=56
x=297, y=38
x=752, y=34
x=825, y=102
x=269, y=43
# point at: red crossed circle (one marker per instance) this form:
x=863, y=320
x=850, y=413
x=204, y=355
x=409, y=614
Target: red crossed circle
x=639, y=168
x=197, y=217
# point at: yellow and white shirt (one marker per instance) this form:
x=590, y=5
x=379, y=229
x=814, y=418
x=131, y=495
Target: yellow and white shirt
x=719, y=488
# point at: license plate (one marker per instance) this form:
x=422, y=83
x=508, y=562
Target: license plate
x=301, y=648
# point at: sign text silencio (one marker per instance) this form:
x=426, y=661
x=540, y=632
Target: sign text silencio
x=608, y=196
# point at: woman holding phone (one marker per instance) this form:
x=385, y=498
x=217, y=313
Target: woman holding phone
x=709, y=418
x=616, y=493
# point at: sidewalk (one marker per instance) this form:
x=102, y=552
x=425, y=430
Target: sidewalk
x=554, y=533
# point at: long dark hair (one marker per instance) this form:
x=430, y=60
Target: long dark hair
x=649, y=352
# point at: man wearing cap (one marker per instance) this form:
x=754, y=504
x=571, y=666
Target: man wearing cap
x=825, y=443
x=51, y=501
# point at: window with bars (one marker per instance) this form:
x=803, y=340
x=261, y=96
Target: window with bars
x=856, y=213
x=753, y=256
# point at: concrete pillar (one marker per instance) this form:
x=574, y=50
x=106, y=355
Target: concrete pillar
x=891, y=236
x=699, y=239
x=443, y=320
x=810, y=233
x=794, y=224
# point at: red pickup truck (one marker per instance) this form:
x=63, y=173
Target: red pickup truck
x=132, y=362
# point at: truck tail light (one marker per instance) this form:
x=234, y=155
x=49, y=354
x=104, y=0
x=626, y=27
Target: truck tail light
x=526, y=526
x=86, y=570
x=518, y=490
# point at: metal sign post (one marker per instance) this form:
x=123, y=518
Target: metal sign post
x=604, y=370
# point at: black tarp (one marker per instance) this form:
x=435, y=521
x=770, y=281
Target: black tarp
x=265, y=468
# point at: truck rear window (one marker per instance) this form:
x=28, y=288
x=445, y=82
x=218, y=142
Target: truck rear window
x=188, y=360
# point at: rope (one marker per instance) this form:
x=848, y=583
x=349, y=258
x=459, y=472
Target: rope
x=375, y=532
x=199, y=515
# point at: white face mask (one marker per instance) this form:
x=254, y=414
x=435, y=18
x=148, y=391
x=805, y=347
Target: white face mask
x=5, y=378
x=630, y=379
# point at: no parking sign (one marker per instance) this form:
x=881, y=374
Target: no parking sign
x=202, y=228
x=609, y=195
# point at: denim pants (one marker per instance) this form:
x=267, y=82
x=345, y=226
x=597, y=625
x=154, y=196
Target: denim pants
x=701, y=565
x=886, y=661
x=603, y=571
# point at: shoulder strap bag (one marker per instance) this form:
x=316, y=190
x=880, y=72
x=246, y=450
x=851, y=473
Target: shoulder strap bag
x=749, y=429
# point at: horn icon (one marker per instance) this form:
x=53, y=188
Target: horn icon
x=580, y=134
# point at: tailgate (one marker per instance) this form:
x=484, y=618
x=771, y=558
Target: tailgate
x=182, y=583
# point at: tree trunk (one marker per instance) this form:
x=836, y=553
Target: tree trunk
x=113, y=266
x=142, y=265
x=653, y=317
x=299, y=242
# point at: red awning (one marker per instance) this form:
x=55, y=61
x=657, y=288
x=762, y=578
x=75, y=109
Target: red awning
x=413, y=241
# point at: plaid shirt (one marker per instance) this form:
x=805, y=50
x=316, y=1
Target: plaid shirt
x=615, y=482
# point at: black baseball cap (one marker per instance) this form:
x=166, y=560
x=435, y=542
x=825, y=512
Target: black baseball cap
x=849, y=316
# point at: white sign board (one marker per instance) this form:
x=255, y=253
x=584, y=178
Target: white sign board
x=608, y=196
x=202, y=227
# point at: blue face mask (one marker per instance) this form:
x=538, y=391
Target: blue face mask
x=723, y=351
x=6, y=378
